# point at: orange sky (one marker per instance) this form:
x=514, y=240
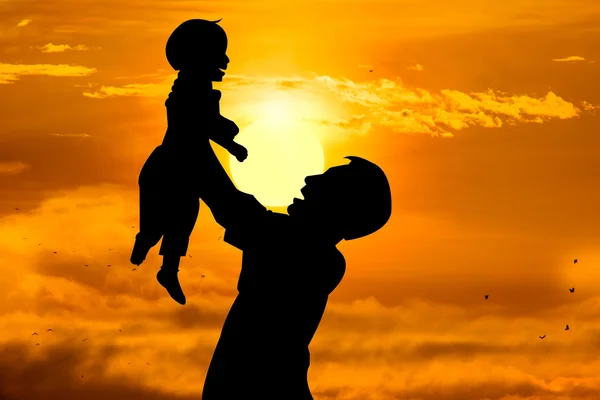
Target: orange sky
x=484, y=115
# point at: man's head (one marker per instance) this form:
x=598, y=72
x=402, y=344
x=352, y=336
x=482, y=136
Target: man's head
x=350, y=201
x=199, y=45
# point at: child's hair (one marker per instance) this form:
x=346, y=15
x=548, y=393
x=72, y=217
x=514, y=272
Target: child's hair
x=194, y=41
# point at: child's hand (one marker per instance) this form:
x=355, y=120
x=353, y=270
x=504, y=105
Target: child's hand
x=240, y=152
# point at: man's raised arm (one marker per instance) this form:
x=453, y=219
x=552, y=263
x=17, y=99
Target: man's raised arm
x=232, y=209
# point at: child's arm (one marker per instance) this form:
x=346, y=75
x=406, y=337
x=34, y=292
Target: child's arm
x=223, y=132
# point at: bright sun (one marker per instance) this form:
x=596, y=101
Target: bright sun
x=282, y=151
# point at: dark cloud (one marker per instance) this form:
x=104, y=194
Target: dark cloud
x=55, y=373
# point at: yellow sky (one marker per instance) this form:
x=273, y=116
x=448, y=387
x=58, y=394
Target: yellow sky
x=484, y=115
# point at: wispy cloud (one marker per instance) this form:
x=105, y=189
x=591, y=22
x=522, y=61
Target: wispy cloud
x=417, y=67
x=12, y=167
x=134, y=89
x=570, y=58
x=82, y=135
x=60, y=48
x=389, y=103
x=12, y=72
x=23, y=23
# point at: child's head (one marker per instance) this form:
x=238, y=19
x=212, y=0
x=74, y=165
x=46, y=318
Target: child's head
x=354, y=200
x=198, y=45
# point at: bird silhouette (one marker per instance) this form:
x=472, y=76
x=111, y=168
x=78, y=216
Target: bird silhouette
x=132, y=226
x=108, y=265
x=49, y=330
x=486, y=296
x=190, y=255
x=567, y=328
x=84, y=340
x=370, y=70
x=135, y=269
x=541, y=337
x=109, y=249
x=572, y=290
x=34, y=333
x=37, y=344
x=17, y=209
x=85, y=265
x=219, y=237
x=202, y=276
x=55, y=252
x=39, y=244
x=147, y=363
x=120, y=330
x=575, y=261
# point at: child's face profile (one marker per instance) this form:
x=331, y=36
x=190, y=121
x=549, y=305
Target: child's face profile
x=213, y=55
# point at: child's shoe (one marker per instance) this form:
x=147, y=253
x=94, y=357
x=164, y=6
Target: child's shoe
x=169, y=280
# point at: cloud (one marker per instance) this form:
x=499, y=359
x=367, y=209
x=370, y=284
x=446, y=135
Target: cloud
x=417, y=67
x=12, y=167
x=389, y=103
x=570, y=58
x=23, y=23
x=134, y=89
x=83, y=135
x=60, y=48
x=12, y=72
x=417, y=349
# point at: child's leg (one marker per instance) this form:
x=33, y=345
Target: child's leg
x=178, y=229
x=152, y=206
x=151, y=222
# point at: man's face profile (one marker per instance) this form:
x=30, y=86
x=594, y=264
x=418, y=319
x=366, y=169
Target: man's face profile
x=323, y=194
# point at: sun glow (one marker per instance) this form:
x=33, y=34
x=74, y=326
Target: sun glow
x=282, y=151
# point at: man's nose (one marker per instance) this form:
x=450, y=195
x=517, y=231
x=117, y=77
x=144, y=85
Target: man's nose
x=309, y=179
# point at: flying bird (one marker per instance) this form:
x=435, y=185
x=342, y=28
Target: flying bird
x=190, y=255
x=135, y=269
x=85, y=265
x=541, y=337
x=34, y=333
x=55, y=252
x=120, y=330
x=370, y=70
x=108, y=265
x=202, y=276
x=49, y=330
x=37, y=344
x=109, y=249
x=567, y=328
x=84, y=340
x=572, y=290
x=486, y=296
x=17, y=209
x=575, y=261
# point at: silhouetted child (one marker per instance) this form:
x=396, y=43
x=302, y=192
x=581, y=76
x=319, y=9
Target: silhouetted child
x=172, y=178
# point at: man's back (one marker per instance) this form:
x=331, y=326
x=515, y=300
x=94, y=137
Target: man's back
x=283, y=290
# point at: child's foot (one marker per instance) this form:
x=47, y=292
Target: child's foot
x=139, y=253
x=169, y=280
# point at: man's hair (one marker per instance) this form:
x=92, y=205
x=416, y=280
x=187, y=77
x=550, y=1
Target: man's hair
x=371, y=201
x=188, y=40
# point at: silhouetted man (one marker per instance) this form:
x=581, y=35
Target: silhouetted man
x=290, y=266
